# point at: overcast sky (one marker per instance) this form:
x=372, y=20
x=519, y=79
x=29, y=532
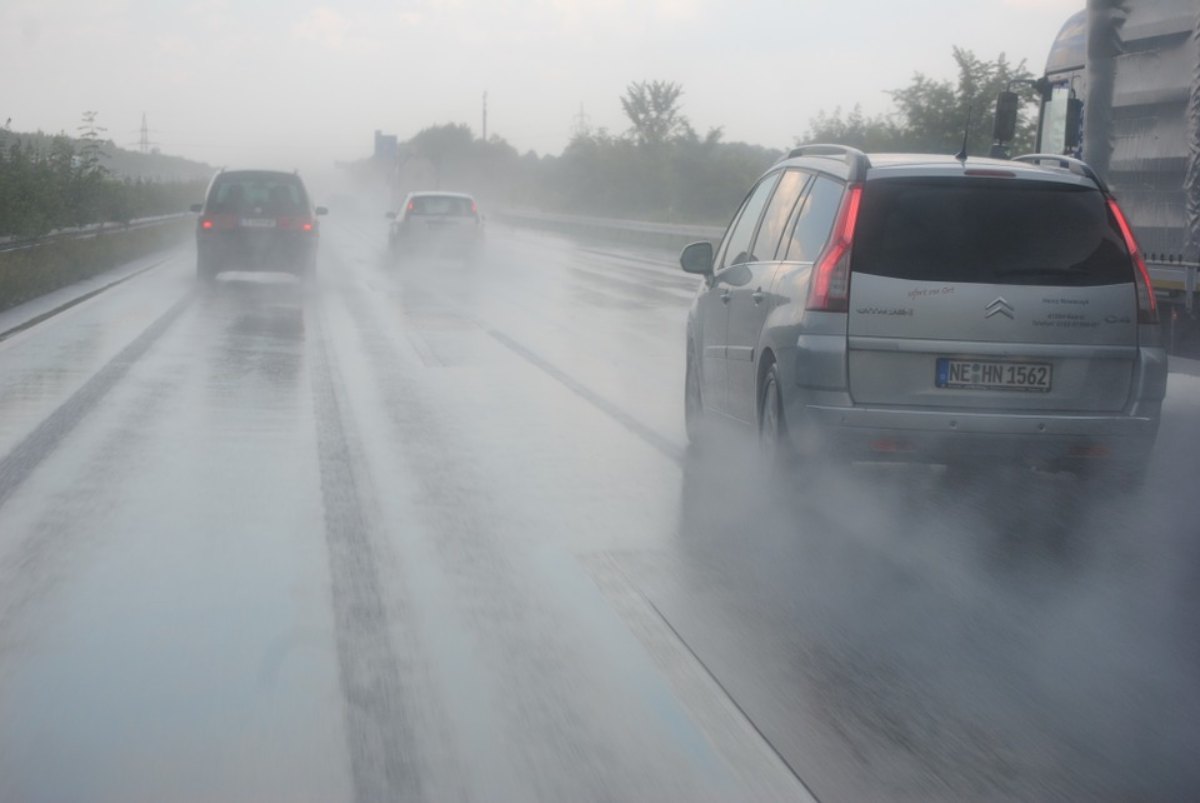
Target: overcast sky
x=300, y=84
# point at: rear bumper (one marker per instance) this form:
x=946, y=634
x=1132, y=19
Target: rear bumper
x=875, y=433
x=823, y=418
x=421, y=235
x=292, y=253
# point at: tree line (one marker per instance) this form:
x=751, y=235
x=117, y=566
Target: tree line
x=662, y=168
x=54, y=182
x=659, y=168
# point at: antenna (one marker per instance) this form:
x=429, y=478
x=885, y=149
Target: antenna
x=962, y=154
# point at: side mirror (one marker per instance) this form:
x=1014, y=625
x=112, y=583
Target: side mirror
x=697, y=258
x=1074, y=123
x=390, y=215
x=321, y=210
x=197, y=208
x=1005, y=126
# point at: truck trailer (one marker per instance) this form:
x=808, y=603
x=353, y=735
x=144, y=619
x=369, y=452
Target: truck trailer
x=1121, y=91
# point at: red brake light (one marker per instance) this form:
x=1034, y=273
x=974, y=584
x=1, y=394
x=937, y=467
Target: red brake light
x=206, y=224
x=411, y=206
x=1147, y=303
x=474, y=208
x=307, y=225
x=829, y=289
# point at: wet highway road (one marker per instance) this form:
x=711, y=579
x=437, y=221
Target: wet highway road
x=431, y=532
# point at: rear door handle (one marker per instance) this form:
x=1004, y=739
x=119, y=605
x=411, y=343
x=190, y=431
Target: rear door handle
x=758, y=295
x=726, y=296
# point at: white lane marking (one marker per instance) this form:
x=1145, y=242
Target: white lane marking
x=734, y=735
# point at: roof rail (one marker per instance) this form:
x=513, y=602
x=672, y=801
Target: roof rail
x=856, y=160
x=1076, y=166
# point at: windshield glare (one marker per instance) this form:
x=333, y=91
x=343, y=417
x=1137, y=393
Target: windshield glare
x=599, y=400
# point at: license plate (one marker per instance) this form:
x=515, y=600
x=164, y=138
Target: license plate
x=1032, y=377
x=258, y=222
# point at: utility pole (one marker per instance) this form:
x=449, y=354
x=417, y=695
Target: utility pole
x=485, y=115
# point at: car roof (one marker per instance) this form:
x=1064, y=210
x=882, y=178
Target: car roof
x=896, y=165
x=256, y=172
x=439, y=194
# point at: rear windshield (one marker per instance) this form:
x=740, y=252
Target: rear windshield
x=441, y=205
x=990, y=231
x=268, y=194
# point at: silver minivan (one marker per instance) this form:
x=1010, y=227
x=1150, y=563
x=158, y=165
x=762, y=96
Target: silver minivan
x=927, y=309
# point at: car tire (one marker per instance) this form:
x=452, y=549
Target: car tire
x=774, y=443
x=693, y=402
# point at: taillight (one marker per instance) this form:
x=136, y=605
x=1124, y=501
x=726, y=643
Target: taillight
x=1147, y=303
x=296, y=224
x=829, y=290
x=474, y=208
x=411, y=206
x=206, y=224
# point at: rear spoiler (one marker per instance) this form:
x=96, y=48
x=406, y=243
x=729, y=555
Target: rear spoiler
x=1076, y=166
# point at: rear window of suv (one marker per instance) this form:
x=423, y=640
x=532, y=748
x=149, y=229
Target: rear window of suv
x=454, y=205
x=254, y=193
x=989, y=231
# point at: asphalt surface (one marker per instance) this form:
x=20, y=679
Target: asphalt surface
x=429, y=531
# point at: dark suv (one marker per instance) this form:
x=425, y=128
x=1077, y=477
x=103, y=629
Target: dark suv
x=256, y=220
x=922, y=308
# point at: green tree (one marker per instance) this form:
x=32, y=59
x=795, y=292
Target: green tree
x=653, y=110
x=45, y=186
x=934, y=113
x=91, y=145
x=930, y=115
x=855, y=129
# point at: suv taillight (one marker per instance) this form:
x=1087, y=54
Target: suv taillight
x=1147, y=303
x=829, y=290
x=297, y=224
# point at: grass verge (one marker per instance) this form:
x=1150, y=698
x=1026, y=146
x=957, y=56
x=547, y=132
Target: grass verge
x=31, y=272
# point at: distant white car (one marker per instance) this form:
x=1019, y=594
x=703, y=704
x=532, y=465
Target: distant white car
x=438, y=223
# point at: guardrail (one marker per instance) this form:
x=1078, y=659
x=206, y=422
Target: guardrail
x=8, y=244
x=666, y=235
x=32, y=267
